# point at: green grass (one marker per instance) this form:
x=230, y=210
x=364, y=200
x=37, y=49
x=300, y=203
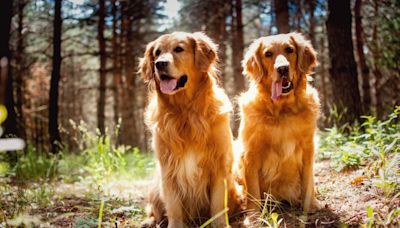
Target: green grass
x=97, y=164
x=373, y=146
x=35, y=165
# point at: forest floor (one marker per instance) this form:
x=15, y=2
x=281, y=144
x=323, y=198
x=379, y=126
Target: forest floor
x=119, y=201
x=357, y=179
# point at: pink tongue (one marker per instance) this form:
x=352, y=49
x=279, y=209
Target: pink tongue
x=276, y=90
x=168, y=86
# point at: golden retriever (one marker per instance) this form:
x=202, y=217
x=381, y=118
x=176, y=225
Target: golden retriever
x=278, y=121
x=188, y=115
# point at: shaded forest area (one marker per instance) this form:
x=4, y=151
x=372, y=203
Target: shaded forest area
x=68, y=80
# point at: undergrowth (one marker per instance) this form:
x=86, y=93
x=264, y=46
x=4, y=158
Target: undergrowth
x=29, y=183
x=373, y=146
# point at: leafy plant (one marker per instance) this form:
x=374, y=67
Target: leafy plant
x=34, y=165
x=373, y=138
x=102, y=158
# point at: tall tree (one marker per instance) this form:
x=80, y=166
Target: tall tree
x=282, y=15
x=6, y=97
x=115, y=56
x=19, y=71
x=237, y=45
x=237, y=52
x=54, y=132
x=311, y=21
x=129, y=14
x=102, y=72
x=361, y=56
x=343, y=66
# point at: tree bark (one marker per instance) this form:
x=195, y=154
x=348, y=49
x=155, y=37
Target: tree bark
x=237, y=54
x=311, y=33
x=102, y=72
x=282, y=15
x=116, y=67
x=343, y=67
x=129, y=131
x=376, y=67
x=361, y=57
x=54, y=133
x=237, y=47
x=20, y=71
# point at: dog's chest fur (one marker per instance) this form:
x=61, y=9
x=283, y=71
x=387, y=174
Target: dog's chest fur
x=275, y=156
x=191, y=181
x=188, y=171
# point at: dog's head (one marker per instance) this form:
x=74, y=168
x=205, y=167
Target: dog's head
x=280, y=63
x=177, y=61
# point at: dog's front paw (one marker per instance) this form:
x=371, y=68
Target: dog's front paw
x=315, y=205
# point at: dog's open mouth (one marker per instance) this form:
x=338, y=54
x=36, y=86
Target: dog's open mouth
x=169, y=84
x=281, y=87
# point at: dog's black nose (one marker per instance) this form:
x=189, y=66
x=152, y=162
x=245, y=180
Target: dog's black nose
x=161, y=65
x=283, y=70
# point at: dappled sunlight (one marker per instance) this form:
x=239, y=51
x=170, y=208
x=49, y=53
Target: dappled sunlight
x=116, y=112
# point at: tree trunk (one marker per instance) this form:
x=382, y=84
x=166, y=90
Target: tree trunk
x=129, y=134
x=322, y=73
x=343, y=67
x=54, y=133
x=237, y=54
x=19, y=62
x=237, y=47
x=282, y=15
x=376, y=67
x=102, y=72
x=361, y=57
x=219, y=33
x=311, y=33
x=116, y=67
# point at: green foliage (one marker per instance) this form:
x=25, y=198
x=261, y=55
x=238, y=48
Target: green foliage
x=34, y=165
x=138, y=165
x=374, y=143
x=269, y=216
x=41, y=195
x=386, y=218
x=86, y=222
x=103, y=158
x=374, y=138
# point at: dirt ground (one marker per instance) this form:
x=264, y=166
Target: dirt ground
x=345, y=196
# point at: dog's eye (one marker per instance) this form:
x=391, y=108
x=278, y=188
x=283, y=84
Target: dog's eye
x=268, y=54
x=289, y=50
x=178, y=49
x=158, y=52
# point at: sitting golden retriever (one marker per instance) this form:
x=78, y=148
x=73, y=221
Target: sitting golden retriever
x=188, y=115
x=278, y=121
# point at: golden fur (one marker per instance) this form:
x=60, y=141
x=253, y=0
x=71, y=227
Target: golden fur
x=277, y=136
x=191, y=135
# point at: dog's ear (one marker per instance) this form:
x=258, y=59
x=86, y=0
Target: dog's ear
x=306, y=55
x=205, y=51
x=146, y=64
x=252, y=62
